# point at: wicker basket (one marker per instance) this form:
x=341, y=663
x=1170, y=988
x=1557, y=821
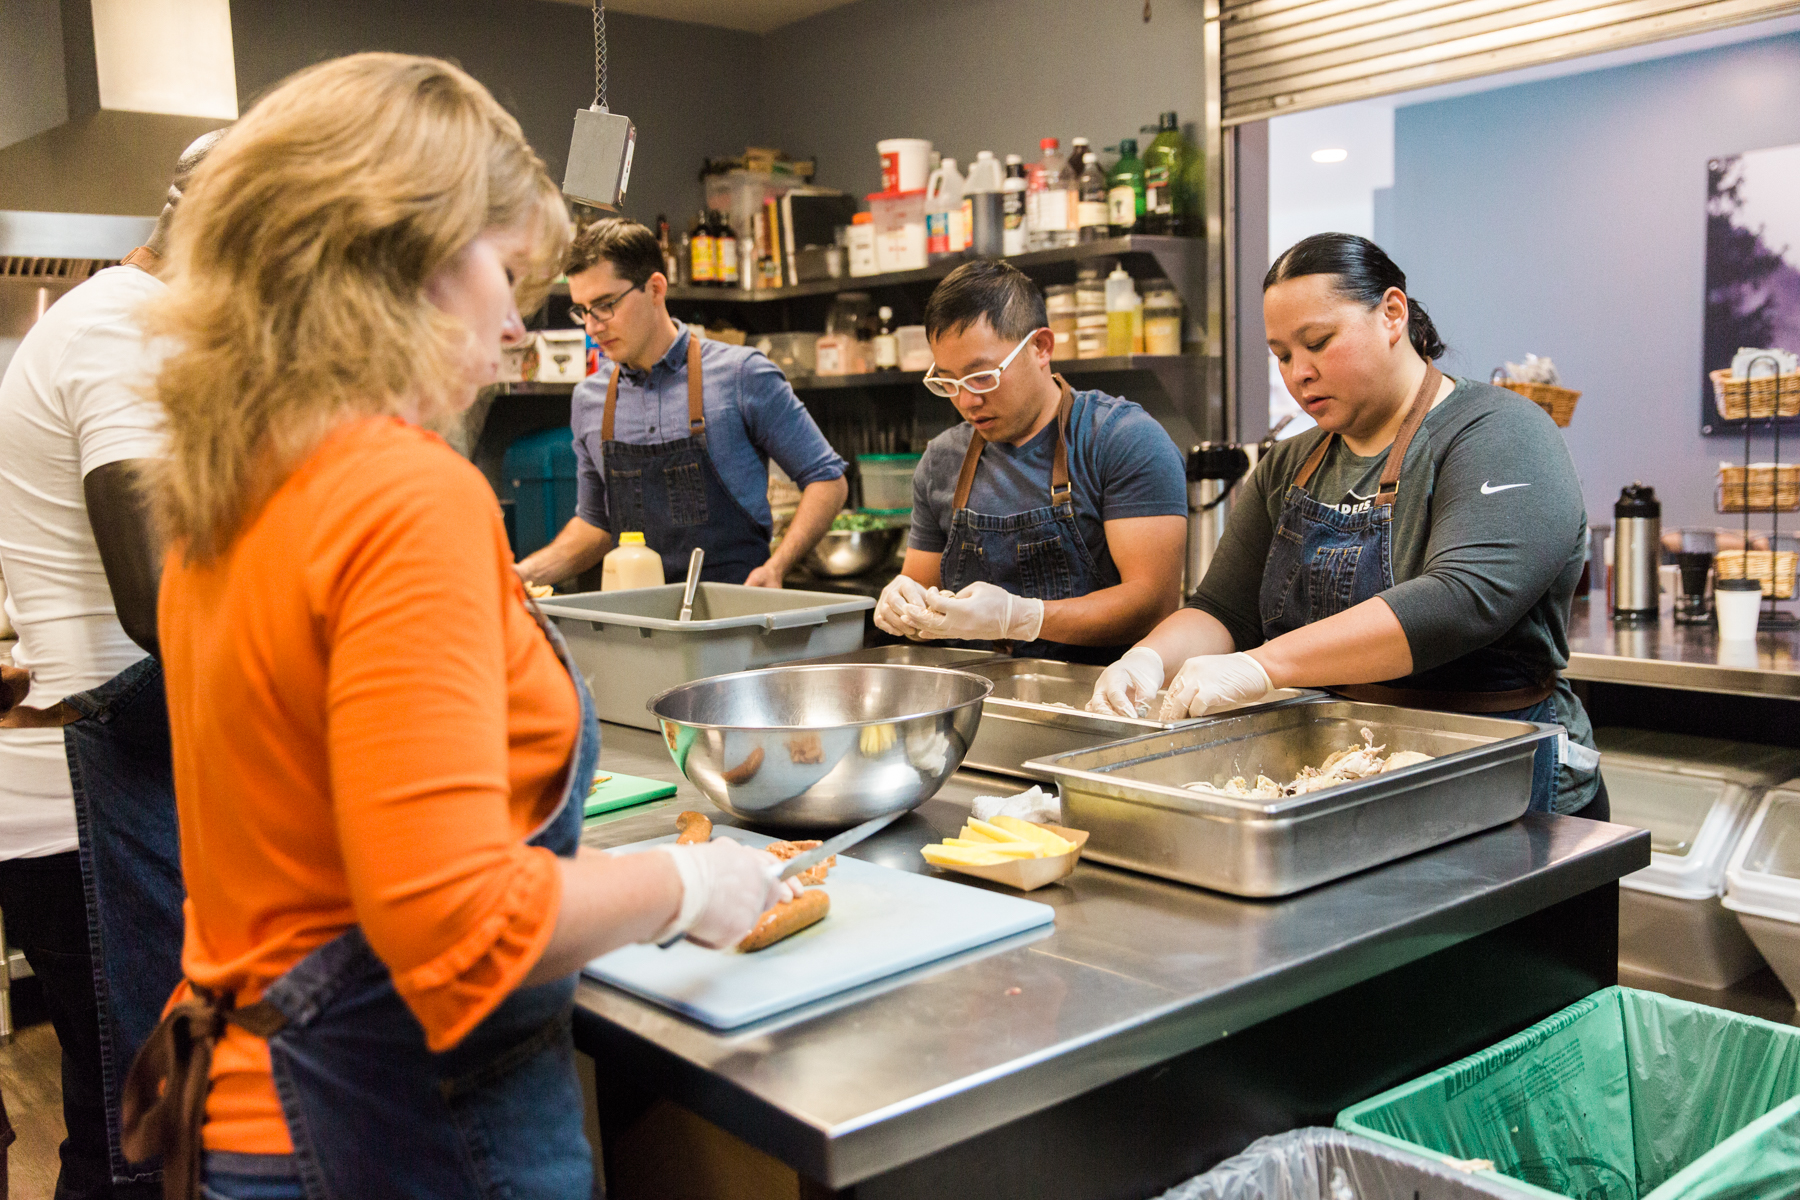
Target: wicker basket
x=1559, y=402
x=1767, y=494
x=1770, y=568
x=1740, y=398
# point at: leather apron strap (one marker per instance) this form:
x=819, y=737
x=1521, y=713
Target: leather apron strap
x=695, y=394
x=163, y=1109
x=1061, y=491
x=1389, y=486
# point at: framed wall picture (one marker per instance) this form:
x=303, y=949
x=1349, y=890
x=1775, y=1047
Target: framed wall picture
x=1752, y=264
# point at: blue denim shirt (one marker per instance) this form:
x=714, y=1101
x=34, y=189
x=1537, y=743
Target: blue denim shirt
x=752, y=415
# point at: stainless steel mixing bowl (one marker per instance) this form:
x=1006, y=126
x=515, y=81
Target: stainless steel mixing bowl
x=845, y=552
x=821, y=747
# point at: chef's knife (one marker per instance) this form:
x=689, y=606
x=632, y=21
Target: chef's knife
x=843, y=841
x=812, y=858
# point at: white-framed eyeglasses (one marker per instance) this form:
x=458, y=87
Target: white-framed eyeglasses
x=979, y=382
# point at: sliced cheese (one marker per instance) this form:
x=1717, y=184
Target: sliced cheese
x=962, y=856
x=1052, y=844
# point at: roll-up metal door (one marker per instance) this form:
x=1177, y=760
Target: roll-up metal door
x=1285, y=55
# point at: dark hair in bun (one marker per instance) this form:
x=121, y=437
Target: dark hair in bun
x=1363, y=272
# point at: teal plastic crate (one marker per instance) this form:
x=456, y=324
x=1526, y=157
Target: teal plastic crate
x=539, y=476
x=1624, y=1095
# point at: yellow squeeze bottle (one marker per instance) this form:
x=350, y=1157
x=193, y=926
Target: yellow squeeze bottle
x=630, y=564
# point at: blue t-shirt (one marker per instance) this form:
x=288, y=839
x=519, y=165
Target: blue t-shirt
x=1121, y=464
x=752, y=415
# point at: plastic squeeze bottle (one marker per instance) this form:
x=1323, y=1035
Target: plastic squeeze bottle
x=983, y=206
x=630, y=564
x=1121, y=302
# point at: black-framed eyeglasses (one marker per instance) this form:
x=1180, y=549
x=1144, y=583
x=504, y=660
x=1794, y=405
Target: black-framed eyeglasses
x=600, y=310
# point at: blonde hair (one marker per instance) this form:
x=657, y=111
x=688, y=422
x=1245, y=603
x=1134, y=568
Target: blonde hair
x=297, y=270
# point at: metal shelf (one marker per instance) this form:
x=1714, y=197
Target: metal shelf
x=1180, y=258
x=1167, y=366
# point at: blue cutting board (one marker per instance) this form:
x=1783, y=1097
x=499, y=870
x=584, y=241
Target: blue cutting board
x=881, y=922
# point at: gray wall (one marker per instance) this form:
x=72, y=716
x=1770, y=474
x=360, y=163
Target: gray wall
x=1568, y=218
x=691, y=89
x=32, y=96
x=975, y=75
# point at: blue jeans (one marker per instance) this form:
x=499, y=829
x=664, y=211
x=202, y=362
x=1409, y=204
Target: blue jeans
x=250, y=1177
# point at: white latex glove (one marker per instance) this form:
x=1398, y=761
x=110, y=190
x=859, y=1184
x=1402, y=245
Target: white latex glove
x=1207, y=681
x=725, y=887
x=982, y=612
x=901, y=607
x=1131, y=681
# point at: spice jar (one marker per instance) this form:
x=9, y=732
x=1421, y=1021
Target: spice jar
x=1059, y=306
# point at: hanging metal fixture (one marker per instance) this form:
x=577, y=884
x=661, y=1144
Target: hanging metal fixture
x=601, y=147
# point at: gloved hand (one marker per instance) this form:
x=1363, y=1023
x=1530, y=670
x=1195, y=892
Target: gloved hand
x=1207, y=681
x=901, y=607
x=725, y=887
x=982, y=612
x=1131, y=681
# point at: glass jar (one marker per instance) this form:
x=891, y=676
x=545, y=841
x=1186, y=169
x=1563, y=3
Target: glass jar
x=1059, y=305
x=1162, y=318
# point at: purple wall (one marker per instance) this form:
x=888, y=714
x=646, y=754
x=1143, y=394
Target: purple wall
x=1567, y=218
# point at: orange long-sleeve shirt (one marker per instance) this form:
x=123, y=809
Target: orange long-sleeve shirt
x=367, y=722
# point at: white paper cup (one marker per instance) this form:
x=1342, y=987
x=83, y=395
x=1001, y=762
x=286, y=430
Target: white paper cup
x=905, y=163
x=1738, y=603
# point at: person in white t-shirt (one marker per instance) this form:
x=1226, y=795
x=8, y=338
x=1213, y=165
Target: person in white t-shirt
x=81, y=569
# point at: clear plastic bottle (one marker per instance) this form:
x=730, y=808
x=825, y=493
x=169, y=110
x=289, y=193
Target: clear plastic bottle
x=1012, y=207
x=944, y=237
x=1091, y=220
x=1052, y=218
x=630, y=564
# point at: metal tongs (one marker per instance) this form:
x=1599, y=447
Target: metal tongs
x=693, y=584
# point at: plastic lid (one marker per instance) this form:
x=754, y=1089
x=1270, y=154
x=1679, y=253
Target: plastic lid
x=1078, y=141
x=1048, y=144
x=1128, y=147
x=1764, y=876
x=630, y=538
x=893, y=458
x=884, y=312
x=1168, y=121
x=863, y=218
x=874, y=196
x=981, y=155
x=1013, y=160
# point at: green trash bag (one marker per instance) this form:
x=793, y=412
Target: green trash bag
x=1624, y=1095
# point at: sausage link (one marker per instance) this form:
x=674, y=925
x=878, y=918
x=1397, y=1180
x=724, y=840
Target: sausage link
x=787, y=918
x=695, y=828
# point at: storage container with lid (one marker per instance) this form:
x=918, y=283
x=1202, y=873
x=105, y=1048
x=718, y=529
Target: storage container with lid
x=899, y=219
x=562, y=355
x=1695, y=795
x=1762, y=882
x=887, y=480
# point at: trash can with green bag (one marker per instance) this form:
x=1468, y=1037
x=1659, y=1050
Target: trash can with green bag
x=1624, y=1095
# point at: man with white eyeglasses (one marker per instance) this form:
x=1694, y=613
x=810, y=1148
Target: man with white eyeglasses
x=1051, y=521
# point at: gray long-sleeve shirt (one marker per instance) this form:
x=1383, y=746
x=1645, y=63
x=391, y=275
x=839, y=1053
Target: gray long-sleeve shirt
x=1490, y=533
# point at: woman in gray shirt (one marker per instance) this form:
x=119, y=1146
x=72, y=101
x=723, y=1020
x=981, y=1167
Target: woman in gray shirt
x=1437, y=577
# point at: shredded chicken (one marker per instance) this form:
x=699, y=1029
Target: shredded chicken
x=1341, y=766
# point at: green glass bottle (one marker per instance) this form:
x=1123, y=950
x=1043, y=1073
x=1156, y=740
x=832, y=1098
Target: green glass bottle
x=1162, y=177
x=1125, y=190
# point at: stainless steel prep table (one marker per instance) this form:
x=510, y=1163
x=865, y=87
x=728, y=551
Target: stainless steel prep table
x=1157, y=1030
x=1683, y=657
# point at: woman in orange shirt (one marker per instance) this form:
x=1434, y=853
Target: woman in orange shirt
x=380, y=749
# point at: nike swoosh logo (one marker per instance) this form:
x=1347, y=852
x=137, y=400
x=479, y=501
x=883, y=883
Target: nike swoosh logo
x=1486, y=490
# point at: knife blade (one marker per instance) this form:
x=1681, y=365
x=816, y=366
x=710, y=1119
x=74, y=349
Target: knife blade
x=817, y=855
x=843, y=841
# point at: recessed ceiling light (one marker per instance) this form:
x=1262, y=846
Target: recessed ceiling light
x=1330, y=156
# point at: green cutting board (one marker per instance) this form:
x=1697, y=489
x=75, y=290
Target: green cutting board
x=623, y=791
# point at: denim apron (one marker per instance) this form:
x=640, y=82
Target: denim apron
x=1038, y=553
x=122, y=773
x=1323, y=561
x=373, y=1112
x=672, y=493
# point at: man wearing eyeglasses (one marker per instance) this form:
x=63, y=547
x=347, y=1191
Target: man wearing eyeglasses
x=1050, y=519
x=674, y=434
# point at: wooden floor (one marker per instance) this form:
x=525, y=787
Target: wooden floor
x=31, y=1065
x=31, y=1080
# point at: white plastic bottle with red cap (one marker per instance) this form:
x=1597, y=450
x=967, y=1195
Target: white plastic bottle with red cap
x=1050, y=204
